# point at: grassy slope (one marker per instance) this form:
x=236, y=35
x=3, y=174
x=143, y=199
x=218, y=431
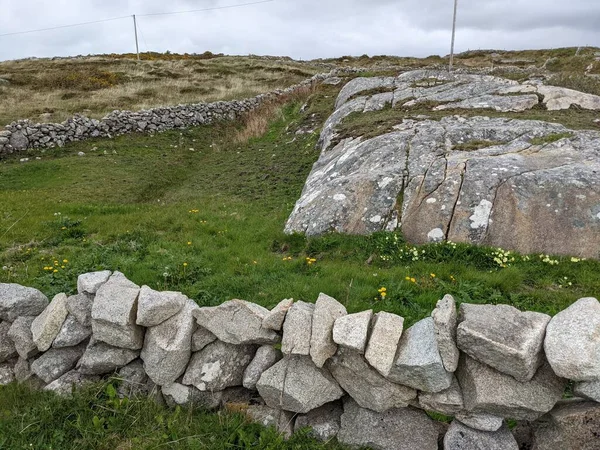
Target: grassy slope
x=131, y=205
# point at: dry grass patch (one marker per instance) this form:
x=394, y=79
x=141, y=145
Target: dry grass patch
x=52, y=90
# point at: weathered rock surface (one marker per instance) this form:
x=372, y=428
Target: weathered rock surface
x=449, y=401
x=480, y=421
x=572, y=425
x=274, y=319
x=324, y=422
x=418, y=362
x=17, y=300
x=7, y=374
x=134, y=380
x=237, y=322
x=461, y=437
x=383, y=342
x=100, y=358
x=266, y=356
x=20, y=334
x=114, y=313
x=398, y=429
x=47, y=325
x=327, y=311
x=218, y=366
x=201, y=338
x=486, y=390
x=56, y=362
x=155, y=307
x=7, y=346
x=168, y=346
x=297, y=329
x=365, y=385
x=71, y=380
x=588, y=389
x=296, y=384
x=89, y=283
x=503, y=194
x=71, y=333
x=80, y=306
x=503, y=337
x=352, y=331
x=572, y=343
x=557, y=98
x=445, y=321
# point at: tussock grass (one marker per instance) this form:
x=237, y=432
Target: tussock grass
x=52, y=90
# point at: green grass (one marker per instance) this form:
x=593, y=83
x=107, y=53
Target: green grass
x=96, y=419
x=551, y=138
x=209, y=223
x=476, y=144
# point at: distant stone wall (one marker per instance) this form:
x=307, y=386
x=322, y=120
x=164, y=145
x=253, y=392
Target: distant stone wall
x=22, y=135
x=361, y=377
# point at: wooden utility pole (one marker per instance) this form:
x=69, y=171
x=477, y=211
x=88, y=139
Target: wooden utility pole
x=453, y=36
x=137, y=47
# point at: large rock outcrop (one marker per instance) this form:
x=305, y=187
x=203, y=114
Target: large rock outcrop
x=517, y=184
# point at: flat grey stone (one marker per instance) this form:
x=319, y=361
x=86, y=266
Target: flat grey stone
x=572, y=424
x=588, y=389
x=177, y=394
x=20, y=334
x=485, y=390
x=327, y=311
x=168, y=346
x=275, y=318
x=365, y=385
x=218, y=366
x=383, y=342
x=297, y=329
x=47, y=325
x=362, y=84
x=282, y=421
x=100, y=358
x=461, y=437
x=155, y=307
x=445, y=322
x=324, y=422
x=114, y=313
x=201, y=338
x=237, y=322
x=352, y=331
x=418, y=362
x=503, y=337
x=80, y=306
x=448, y=402
x=56, y=362
x=17, y=300
x=89, y=283
x=557, y=98
x=480, y=421
x=71, y=380
x=266, y=356
x=7, y=346
x=71, y=333
x=398, y=429
x=7, y=374
x=572, y=343
x=22, y=370
x=296, y=384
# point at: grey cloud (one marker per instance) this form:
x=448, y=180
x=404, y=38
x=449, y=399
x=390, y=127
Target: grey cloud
x=298, y=28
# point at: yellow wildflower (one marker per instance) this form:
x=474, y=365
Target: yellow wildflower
x=185, y=264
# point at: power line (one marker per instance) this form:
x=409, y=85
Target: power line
x=205, y=9
x=138, y=15
x=65, y=26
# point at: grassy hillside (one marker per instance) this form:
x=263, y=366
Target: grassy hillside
x=46, y=90
x=202, y=211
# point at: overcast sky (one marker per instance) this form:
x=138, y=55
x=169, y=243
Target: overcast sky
x=302, y=29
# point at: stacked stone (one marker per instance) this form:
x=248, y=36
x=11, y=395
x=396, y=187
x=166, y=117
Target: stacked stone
x=361, y=377
x=25, y=134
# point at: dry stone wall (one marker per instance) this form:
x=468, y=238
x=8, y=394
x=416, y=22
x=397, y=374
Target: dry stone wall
x=22, y=135
x=359, y=377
